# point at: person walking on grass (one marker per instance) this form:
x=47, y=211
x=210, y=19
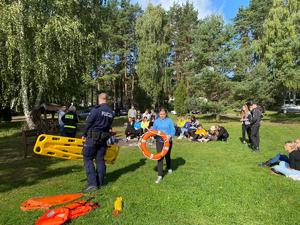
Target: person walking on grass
x=96, y=133
x=166, y=125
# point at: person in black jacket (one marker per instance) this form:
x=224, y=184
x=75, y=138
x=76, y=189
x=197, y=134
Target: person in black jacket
x=130, y=132
x=255, y=125
x=70, y=120
x=222, y=133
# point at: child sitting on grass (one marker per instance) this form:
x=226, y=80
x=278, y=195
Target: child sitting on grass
x=199, y=133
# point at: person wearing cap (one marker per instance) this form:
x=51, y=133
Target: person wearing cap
x=70, y=120
x=96, y=134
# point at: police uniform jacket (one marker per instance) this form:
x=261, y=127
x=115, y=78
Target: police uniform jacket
x=99, y=120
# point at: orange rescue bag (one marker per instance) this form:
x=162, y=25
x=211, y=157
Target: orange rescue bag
x=47, y=202
x=63, y=214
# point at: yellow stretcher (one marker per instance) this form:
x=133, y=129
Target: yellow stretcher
x=68, y=148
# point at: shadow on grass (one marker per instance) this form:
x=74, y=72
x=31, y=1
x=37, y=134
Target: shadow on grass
x=115, y=175
x=175, y=164
x=15, y=171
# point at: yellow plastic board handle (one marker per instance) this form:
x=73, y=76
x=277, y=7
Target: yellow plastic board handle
x=68, y=148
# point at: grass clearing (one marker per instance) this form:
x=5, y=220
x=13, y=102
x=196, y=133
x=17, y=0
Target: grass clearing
x=212, y=183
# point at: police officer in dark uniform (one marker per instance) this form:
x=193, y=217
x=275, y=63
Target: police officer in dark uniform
x=96, y=134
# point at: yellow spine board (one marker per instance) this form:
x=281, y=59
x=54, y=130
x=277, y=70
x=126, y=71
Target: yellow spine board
x=68, y=148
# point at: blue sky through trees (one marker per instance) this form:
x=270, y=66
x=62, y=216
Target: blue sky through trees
x=227, y=8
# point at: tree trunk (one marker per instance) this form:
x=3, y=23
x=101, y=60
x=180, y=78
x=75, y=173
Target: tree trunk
x=23, y=70
x=25, y=102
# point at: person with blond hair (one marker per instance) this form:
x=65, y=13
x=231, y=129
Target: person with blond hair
x=245, y=119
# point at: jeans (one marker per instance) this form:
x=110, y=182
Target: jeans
x=277, y=159
x=283, y=168
x=91, y=151
x=183, y=130
x=246, y=129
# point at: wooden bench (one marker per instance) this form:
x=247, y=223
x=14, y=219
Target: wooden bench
x=28, y=140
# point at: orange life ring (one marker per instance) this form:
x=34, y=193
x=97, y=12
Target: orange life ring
x=143, y=145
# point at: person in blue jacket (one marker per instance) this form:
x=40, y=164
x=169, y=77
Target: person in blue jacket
x=166, y=125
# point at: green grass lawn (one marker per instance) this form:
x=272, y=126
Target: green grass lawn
x=212, y=183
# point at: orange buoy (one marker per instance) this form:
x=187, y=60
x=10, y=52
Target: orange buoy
x=143, y=145
x=47, y=202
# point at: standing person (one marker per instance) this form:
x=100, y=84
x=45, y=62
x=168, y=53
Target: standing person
x=70, y=120
x=246, y=118
x=96, y=134
x=166, y=125
x=255, y=125
x=132, y=112
x=61, y=112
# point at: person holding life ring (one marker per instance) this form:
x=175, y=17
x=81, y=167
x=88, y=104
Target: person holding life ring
x=166, y=125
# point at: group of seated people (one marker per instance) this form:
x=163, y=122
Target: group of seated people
x=136, y=127
x=192, y=129
x=286, y=165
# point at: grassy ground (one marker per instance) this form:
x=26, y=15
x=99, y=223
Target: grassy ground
x=212, y=183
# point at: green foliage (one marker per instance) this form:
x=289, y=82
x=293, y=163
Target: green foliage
x=181, y=98
x=150, y=29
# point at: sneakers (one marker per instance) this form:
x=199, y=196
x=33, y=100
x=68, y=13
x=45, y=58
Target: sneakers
x=170, y=171
x=158, y=180
x=89, y=189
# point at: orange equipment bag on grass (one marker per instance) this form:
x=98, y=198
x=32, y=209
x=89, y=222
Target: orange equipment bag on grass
x=63, y=214
x=47, y=202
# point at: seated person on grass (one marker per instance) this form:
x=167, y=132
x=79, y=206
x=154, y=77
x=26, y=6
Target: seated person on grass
x=145, y=125
x=222, y=133
x=286, y=165
x=211, y=136
x=180, y=124
x=185, y=128
x=291, y=168
x=193, y=126
x=130, y=131
x=138, y=127
x=199, y=134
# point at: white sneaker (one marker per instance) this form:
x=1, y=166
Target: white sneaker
x=180, y=137
x=159, y=178
x=170, y=171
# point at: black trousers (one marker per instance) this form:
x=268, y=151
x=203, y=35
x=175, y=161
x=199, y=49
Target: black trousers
x=255, y=136
x=246, y=129
x=159, y=147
